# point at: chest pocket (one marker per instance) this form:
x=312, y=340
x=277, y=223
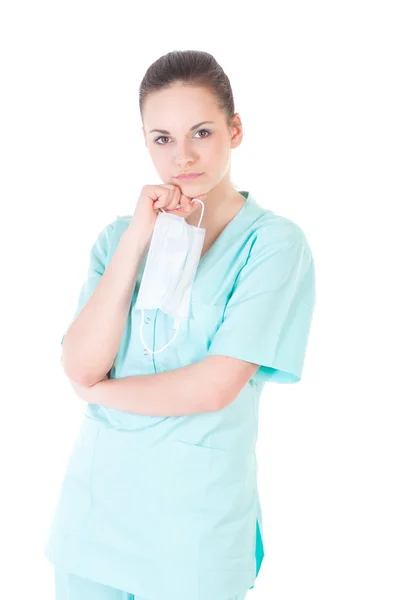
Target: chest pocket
x=201, y=328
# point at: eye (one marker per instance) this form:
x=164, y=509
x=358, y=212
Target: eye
x=206, y=130
x=164, y=137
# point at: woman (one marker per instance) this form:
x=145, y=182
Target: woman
x=160, y=497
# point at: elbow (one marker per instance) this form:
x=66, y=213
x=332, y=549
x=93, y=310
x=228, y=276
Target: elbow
x=73, y=374
x=78, y=375
x=215, y=403
x=75, y=370
x=225, y=397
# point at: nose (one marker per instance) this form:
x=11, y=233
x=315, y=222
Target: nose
x=183, y=154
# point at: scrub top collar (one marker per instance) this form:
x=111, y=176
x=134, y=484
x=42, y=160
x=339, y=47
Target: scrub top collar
x=234, y=226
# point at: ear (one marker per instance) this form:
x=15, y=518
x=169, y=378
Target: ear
x=236, y=131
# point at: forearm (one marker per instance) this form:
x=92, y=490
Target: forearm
x=92, y=341
x=168, y=394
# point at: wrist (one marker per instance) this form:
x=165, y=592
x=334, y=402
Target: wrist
x=137, y=240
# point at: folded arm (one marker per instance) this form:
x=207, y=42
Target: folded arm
x=206, y=386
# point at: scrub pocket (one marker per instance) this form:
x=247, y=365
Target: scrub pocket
x=212, y=510
x=75, y=502
x=197, y=332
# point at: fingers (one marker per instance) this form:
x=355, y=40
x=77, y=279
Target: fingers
x=182, y=211
x=176, y=203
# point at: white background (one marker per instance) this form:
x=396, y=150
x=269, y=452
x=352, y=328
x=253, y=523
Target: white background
x=315, y=84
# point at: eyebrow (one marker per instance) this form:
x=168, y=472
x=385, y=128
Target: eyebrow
x=192, y=128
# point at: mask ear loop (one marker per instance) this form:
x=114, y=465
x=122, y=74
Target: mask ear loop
x=194, y=200
x=176, y=327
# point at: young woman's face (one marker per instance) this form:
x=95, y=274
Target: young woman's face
x=204, y=149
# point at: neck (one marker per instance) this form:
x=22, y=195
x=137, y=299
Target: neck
x=220, y=206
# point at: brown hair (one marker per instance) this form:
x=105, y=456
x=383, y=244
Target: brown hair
x=189, y=67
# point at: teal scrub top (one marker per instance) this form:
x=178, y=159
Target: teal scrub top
x=168, y=507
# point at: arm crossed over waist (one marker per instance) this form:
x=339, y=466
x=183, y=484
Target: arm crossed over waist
x=206, y=386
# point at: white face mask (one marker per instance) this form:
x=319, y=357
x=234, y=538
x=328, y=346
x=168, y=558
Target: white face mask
x=172, y=262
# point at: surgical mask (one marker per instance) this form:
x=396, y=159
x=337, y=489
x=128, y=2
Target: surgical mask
x=172, y=262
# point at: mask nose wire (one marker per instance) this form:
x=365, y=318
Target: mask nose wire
x=203, y=208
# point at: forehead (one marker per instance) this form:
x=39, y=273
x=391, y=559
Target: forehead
x=179, y=107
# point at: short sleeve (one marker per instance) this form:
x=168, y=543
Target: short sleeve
x=268, y=315
x=98, y=259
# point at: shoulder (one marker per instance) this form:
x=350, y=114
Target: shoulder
x=123, y=219
x=115, y=228
x=110, y=235
x=120, y=224
x=271, y=231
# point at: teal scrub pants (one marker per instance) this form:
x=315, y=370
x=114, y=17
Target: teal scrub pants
x=71, y=587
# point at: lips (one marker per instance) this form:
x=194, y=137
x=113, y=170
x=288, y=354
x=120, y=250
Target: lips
x=188, y=176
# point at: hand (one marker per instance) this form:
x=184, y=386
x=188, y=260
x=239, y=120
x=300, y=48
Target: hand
x=155, y=197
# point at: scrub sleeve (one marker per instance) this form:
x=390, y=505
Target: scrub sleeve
x=268, y=317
